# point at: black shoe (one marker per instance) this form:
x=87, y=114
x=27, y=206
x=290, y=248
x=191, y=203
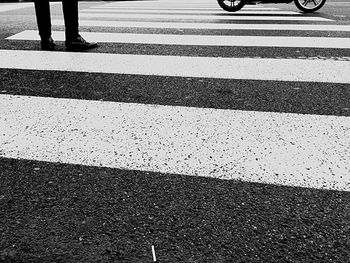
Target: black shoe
x=79, y=44
x=48, y=44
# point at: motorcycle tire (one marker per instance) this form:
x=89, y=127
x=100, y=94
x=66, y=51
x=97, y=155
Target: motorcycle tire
x=231, y=5
x=309, y=6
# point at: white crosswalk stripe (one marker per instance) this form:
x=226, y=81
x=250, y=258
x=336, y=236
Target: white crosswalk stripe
x=156, y=8
x=200, y=40
x=199, y=67
x=227, y=144
x=204, y=17
x=194, y=132
x=167, y=11
x=10, y=7
x=16, y=6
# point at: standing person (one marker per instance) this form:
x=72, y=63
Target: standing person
x=74, y=42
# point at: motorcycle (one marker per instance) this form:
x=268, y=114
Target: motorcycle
x=307, y=6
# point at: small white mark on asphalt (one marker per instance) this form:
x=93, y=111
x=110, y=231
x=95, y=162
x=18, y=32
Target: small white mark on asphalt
x=154, y=254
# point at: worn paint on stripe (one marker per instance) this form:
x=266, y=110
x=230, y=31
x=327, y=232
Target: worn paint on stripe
x=202, y=67
x=206, y=17
x=274, y=148
x=200, y=40
x=219, y=26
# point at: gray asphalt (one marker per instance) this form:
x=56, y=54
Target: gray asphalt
x=52, y=212
x=66, y=213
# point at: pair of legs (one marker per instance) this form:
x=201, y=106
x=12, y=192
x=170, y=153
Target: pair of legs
x=70, y=13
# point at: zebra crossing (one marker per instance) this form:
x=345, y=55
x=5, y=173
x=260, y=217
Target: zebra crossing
x=268, y=147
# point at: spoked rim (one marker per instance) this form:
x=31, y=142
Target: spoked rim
x=232, y=3
x=310, y=4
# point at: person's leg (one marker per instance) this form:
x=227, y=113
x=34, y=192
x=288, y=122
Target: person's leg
x=74, y=42
x=42, y=11
x=70, y=14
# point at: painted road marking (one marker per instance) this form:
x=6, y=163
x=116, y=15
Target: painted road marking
x=154, y=254
x=217, y=8
x=16, y=6
x=265, y=147
x=173, y=4
x=200, y=40
x=338, y=3
x=137, y=24
x=203, y=67
x=246, y=12
x=162, y=4
x=205, y=17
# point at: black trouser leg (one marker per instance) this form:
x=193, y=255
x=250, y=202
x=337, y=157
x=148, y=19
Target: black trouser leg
x=70, y=13
x=42, y=10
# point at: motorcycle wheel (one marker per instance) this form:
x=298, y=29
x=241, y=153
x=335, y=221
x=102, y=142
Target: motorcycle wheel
x=231, y=5
x=309, y=6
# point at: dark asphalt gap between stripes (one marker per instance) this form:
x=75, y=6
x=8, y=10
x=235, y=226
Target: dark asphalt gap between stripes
x=249, y=95
x=71, y=213
x=215, y=32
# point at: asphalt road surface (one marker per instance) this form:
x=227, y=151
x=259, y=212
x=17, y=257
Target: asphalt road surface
x=189, y=135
